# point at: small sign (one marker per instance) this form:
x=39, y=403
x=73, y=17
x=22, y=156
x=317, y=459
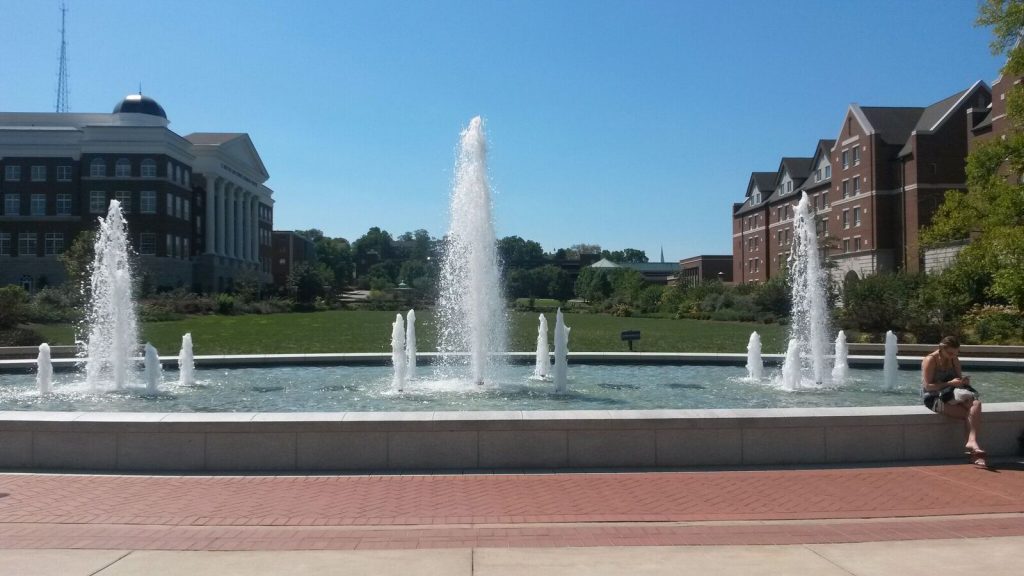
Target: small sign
x=629, y=336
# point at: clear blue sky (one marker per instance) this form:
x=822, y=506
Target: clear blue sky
x=621, y=123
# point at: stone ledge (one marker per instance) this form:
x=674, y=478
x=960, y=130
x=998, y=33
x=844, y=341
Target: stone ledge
x=491, y=440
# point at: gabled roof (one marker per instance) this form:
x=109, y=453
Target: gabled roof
x=763, y=181
x=604, y=263
x=798, y=168
x=937, y=114
x=892, y=124
x=238, y=143
x=824, y=148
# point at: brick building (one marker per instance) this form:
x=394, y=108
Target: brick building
x=197, y=210
x=872, y=188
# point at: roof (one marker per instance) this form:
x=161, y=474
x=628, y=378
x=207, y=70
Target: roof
x=604, y=263
x=934, y=115
x=892, y=124
x=824, y=148
x=139, y=104
x=763, y=181
x=985, y=122
x=652, y=267
x=212, y=138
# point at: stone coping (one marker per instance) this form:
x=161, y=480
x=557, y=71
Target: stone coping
x=383, y=359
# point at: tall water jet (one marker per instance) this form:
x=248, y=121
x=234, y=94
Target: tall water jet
x=410, y=345
x=44, y=369
x=809, y=318
x=113, y=328
x=153, y=369
x=890, y=364
x=398, y=357
x=542, y=367
x=755, y=366
x=840, y=368
x=470, y=308
x=561, y=376
x=186, y=363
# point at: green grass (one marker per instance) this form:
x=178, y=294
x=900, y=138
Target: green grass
x=368, y=331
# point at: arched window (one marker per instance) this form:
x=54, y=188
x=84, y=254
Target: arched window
x=123, y=168
x=97, y=168
x=149, y=168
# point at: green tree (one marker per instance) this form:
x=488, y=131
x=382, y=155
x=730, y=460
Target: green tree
x=307, y=282
x=77, y=260
x=374, y=247
x=13, y=306
x=991, y=212
x=516, y=252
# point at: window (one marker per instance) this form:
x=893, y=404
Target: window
x=789, y=186
x=177, y=206
x=789, y=238
x=846, y=158
x=755, y=198
x=846, y=219
x=778, y=237
x=856, y=244
x=12, y=204
x=63, y=173
x=37, y=205
x=5, y=243
x=170, y=205
x=186, y=178
x=817, y=175
x=856, y=155
x=12, y=173
x=846, y=188
x=824, y=199
x=97, y=201
x=27, y=244
x=147, y=244
x=856, y=184
x=856, y=216
x=828, y=171
x=846, y=244
x=39, y=173
x=185, y=209
x=177, y=247
x=170, y=245
x=97, y=168
x=757, y=264
x=54, y=243
x=125, y=198
x=147, y=203
x=185, y=253
x=63, y=204
x=148, y=168
x=123, y=168
x=177, y=174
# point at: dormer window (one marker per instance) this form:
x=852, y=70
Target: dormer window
x=828, y=171
x=755, y=198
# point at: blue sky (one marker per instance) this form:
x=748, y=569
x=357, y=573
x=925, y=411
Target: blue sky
x=621, y=123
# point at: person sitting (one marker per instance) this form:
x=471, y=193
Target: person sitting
x=945, y=390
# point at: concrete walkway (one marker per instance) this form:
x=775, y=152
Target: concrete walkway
x=934, y=519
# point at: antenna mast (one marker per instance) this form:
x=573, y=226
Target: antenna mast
x=62, y=74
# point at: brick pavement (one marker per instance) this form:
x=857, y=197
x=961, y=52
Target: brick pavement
x=503, y=510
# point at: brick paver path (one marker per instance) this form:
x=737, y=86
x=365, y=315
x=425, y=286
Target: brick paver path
x=564, y=509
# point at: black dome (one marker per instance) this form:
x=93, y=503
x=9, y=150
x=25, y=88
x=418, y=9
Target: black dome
x=139, y=104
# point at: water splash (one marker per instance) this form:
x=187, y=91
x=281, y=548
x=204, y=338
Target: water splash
x=398, y=357
x=186, y=363
x=755, y=366
x=44, y=369
x=410, y=345
x=791, y=377
x=809, y=326
x=471, y=309
x=542, y=366
x=113, y=327
x=153, y=369
x=890, y=364
x=561, y=376
x=840, y=368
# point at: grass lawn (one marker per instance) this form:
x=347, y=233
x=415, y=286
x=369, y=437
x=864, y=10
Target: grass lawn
x=368, y=331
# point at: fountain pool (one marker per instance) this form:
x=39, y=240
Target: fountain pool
x=512, y=387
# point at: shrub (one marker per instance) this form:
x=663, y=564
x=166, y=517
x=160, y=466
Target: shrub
x=14, y=307
x=54, y=305
x=20, y=337
x=225, y=304
x=994, y=325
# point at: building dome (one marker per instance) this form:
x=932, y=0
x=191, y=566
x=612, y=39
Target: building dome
x=139, y=104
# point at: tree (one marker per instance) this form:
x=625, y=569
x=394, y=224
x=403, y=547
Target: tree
x=77, y=260
x=336, y=254
x=516, y=252
x=374, y=247
x=13, y=306
x=307, y=282
x=991, y=212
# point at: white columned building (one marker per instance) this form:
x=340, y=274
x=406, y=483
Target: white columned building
x=235, y=177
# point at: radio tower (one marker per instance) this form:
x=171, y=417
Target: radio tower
x=62, y=75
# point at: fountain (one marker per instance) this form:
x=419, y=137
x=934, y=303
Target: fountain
x=44, y=369
x=113, y=329
x=809, y=322
x=755, y=366
x=561, y=353
x=791, y=376
x=410, y=345
x=840, y=368
x=470, y=308
x=153, y=369
x=890, y=365
x=398, y=353
x=186, y=364
x=542, y=366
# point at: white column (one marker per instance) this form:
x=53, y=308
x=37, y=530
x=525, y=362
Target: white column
x=221, y=220
x=254, y=217
x=211, y=193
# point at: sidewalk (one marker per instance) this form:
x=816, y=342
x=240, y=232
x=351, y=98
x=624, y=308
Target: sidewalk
x=496, y=523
